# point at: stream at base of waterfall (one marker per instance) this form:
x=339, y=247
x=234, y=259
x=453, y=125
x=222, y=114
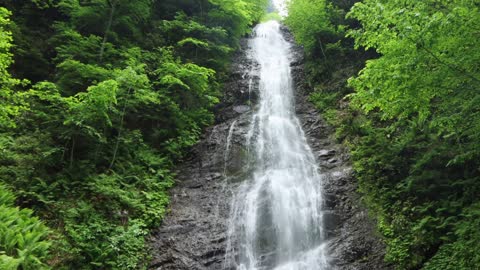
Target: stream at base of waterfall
x=276, y=219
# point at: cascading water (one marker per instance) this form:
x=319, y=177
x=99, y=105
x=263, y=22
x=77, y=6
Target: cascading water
x=227, y=147
x=276, y=217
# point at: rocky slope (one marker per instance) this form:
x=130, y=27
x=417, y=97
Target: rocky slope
x=193, y=234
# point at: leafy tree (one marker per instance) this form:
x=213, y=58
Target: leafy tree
x=106, y=18
x=422, y=88
x=9, y=101
x=121, y=89
x=196, y=42
x=310, y=22
x=411, y=122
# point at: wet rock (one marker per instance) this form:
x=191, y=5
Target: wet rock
x=322, y=154
x=241, y=109
x=332, y=160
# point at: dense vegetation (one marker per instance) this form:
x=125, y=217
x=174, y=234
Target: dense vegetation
x=98, y=99
x=411, y=116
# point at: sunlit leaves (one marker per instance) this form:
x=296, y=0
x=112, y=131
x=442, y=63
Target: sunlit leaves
x=422, y=95
x=415, y=38
x=190, y=84
x=237, y=15
x=193, y=42
x=308, y=20
x=10, y=103
x=91, y=110
x=429, y=64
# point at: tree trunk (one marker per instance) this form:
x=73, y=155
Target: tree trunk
x=117, y=144
x=72, y=151
x=113, y=5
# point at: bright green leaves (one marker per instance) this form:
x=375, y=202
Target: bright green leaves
x=192, y=83
x=91, y=110
x=23, y=238
x=428, y=67
x=5, y=42
x=208, y=38
x=412, y=123
x=319, y=26
x=191, y=92
x=415, y=38
x=192, y=42
x=71, y=45
x=10, y=103
x=122, y=88
x=420, y=94
x=74, y=76
x=237, y=15
x=171, y=81
x=308, y=20
x=388, y=84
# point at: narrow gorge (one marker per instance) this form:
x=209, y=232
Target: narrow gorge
x=267, y=187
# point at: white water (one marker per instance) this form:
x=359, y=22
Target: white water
x=226, y=155
x=276, y=218
x=227, y=148
x=281, y=6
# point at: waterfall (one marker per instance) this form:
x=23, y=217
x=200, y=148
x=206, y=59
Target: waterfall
x=227, y=148
x=276, y=216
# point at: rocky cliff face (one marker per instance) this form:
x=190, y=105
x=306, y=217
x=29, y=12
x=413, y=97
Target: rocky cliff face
x=194, y=233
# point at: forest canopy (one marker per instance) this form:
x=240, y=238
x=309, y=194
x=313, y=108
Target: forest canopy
x=99, y=100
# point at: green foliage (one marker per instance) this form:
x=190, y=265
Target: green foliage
x=197, y=42
x=107, y=18
x=236, y=15
x=23, y=238
x=323, y=100
x=120, y=90
x=8, y=99
x=319, y=26
x=310, y=21
x=272, y=16
x=411, y=122
x=415, y=42
x=421, y=90
x=72, y=45
x=464, y=249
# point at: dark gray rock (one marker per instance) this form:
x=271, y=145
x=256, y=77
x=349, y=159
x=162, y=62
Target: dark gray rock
x=241, y=109
x=323, y=154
